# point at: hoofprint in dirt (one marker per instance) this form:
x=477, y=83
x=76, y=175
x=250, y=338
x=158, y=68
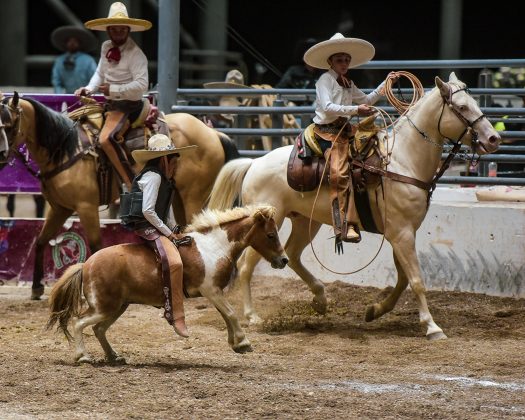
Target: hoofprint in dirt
x=303, y=366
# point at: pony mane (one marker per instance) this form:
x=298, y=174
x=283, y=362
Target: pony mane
x=209, y=219
x=55, y=132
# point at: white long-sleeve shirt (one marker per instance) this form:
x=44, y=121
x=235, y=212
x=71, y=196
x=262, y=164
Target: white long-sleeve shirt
x=128, y=79
x=149, y=184
x=334, y=101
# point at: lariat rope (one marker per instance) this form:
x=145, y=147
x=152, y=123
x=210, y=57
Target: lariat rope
x=402, y=107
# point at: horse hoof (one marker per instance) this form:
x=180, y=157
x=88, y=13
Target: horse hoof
x=243, y=348
x=320, y=305
x=370, y=314
x=36, y=292
x=85, y=359
x=439, y=335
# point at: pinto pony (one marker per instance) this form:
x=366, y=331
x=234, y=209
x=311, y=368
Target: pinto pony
x=398, y=207
x=119, y=275
x=68, y=171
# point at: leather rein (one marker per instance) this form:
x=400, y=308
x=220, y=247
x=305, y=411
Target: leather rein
x=431, y=186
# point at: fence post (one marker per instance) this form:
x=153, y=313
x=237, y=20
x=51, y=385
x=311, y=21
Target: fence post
x=277, y=122
x=484, y=81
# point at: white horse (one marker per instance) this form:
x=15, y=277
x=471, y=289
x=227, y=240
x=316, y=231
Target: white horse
x=447, y=112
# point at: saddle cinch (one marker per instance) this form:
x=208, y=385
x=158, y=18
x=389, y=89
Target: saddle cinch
x=306, y=163
x=130, y=136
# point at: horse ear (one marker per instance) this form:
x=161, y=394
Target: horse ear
x=14, y=102
x=443, y=87
x=453, y=78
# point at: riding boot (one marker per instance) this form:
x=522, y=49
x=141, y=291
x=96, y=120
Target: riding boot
x=177, y=299
x=350, y=230
x=112, y=125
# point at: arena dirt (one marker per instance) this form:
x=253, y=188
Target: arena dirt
x=303, y=365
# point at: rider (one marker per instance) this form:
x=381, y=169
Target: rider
x=122, y=76
x=154, y=221
x=335, y=95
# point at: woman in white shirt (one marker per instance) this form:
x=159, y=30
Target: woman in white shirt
x=334, y=106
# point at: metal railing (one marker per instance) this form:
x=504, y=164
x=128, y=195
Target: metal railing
x=484, y=94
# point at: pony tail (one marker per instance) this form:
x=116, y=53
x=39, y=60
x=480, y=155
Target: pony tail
x=65, y=300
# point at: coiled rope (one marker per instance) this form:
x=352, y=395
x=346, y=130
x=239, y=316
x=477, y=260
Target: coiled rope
x=401, y=105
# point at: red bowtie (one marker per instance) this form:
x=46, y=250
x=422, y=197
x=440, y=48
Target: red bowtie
x=113, y=54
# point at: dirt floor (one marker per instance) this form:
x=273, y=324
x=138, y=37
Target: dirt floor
x=303, y=365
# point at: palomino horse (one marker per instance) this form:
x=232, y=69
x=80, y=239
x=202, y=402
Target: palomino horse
x=69, y=174
x=118, y=275
x=447, y=112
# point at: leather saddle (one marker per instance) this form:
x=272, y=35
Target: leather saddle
x=307, y=162
x=130, y=136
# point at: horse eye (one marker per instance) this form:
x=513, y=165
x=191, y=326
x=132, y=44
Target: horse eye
x=271, y=235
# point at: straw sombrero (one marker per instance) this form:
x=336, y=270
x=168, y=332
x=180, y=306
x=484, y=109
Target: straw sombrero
x=159, y=145
x=118, y=15
x=360, y=50
x=234, y=80
x=60, y=36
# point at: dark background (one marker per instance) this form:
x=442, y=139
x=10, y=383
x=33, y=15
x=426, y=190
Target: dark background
x=403, y=30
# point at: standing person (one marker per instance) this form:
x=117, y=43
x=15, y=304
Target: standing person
x=154, y=220
x=335, y=95
x=74, y=68
x=122, y=76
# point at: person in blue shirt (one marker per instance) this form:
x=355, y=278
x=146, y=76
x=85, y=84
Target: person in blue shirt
x=74, y=67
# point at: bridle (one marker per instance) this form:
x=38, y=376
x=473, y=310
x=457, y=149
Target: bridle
x=469, y=125
x=7, y=129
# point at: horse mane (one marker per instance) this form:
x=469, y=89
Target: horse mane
x=56, y=133
x=209, y=218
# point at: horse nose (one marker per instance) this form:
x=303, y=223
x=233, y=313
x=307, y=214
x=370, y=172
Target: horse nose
x=284, y=260
x=495, y=139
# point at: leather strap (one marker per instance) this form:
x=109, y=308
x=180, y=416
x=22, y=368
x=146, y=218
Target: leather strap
x=166, y=283
x=392, y=175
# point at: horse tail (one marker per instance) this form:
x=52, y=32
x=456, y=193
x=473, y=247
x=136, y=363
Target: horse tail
x=65, y=300
x=228, y=184
x=230, y=148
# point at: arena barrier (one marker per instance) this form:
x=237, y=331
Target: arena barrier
x=462, y=245
x=17, y=247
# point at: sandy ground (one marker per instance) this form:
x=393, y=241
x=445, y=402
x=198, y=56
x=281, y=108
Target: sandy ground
x=303, y=365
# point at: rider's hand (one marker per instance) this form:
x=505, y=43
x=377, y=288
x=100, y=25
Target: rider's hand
x=83, y=91
x=394, y=76
x=364, y=110
x=104, y=89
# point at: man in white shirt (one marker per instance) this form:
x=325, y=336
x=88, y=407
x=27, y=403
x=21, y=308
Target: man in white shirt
x=333, y=108
x=122, y=76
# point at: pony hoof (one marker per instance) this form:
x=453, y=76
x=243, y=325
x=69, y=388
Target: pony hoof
x=117, y=360
x=320, y=305
x=85, y=359
x=36, y=292
x=370, y=314
x=439, y=335
x=244, y=348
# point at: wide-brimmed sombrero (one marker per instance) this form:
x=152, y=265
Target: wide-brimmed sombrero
x=234, y=80
x=159, y=145
x=118, y=15
x=360, y=50
x=59, y=37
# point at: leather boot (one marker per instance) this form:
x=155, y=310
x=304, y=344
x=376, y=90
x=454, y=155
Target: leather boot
x=179, y=325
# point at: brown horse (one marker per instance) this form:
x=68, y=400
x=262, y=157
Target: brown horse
x=118, y=275
x=69, y=174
